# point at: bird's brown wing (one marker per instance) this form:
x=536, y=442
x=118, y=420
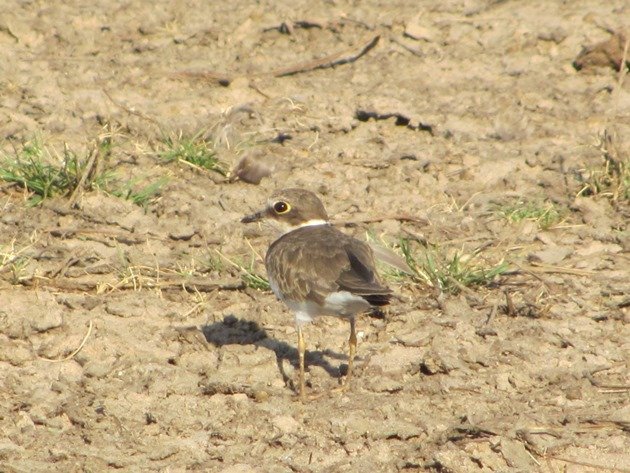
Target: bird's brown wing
x=360, y=276
x=302, y=270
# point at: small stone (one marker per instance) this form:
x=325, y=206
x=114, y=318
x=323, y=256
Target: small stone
x=24, y=422
x=38, y=415
x=70, y=372
x=434, y=363
x=261, y=396
x=183, y=233
x=98, y=368
x=400, y=429
x=61, y=423
x=557, y=34
x=383, y=384
x=285, y=424
x=239, y=397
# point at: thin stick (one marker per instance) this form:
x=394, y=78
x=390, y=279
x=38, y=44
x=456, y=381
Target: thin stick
x=623, y=68
x=67, y=284
x=589, y=464
x=88, y=171
x=413, y=51
x=337, y=59
x=73, y=354
x=399, y=218
x=131, y=111
x=547, y=268
x=253, y=250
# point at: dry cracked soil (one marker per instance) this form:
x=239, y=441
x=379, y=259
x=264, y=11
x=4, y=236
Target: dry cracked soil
x=133, y=335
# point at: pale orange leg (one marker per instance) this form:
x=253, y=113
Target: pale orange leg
x=352, y=343
x=301, y=354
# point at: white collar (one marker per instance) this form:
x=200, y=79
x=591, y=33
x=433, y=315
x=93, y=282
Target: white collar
x=309, y=223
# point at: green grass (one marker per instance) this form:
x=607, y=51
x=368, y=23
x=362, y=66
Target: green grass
x=141, y=195
x=211, y=263
x=546, y=215
x=248, y=273
x=42, y=175
x=195, y=151
x=255, y=280
x=449, y=272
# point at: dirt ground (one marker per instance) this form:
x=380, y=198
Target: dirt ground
x=129, y=342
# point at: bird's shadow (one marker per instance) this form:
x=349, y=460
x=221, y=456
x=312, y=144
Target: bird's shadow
x=234, y=331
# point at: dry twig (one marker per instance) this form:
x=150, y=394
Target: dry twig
x=79, y=285
x=336, y=59
x=77, y=350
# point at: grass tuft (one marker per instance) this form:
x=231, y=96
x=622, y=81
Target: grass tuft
x=194, y=151
x=612, y=178
x=546, y=215
x=43, y=175
x=449, y=273
x=142, y=195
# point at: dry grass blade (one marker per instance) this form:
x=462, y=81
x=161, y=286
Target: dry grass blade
x=596, y=466
x=131, y=283
x=90, y=172
x=248, y=276
x=399, y=218
x=547, y=268
x=74, y=353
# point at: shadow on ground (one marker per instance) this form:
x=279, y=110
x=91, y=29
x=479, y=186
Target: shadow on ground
x=234, y=331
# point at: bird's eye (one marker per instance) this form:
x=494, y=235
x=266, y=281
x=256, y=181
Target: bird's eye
x=281, y=207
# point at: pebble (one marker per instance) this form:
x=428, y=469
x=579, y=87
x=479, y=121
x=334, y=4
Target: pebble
x=184, y=233
x=24, y=422
x=98, y=369
x=285, y=424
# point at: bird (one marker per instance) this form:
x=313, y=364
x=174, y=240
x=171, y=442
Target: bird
x=316, y=269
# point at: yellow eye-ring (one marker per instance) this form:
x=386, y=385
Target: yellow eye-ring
x=281, y=207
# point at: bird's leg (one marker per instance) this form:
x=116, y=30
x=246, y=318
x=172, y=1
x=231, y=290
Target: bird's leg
x=301, y=353
x=352, y=344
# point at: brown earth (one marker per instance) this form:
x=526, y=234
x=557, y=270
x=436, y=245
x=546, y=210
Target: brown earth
x=128, y=342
